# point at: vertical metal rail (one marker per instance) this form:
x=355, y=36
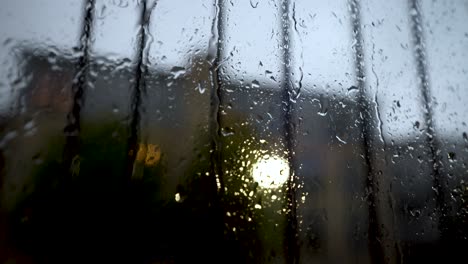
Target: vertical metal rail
x=216, y=97
x=139, y=88
x=423, y=76
x=215, y=120
x=73, y=126
x=288, y=96
x=374, y=234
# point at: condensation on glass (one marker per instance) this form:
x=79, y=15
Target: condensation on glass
x=281, y=131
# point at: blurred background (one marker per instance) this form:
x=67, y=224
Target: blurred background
x=250, y=131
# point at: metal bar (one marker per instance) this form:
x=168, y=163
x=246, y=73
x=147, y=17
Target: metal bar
x=374, y=234
x=216, y=101
x=73, y=127
x=216, y=97
x=139, y=89
x=288, y=96
x=423, y=75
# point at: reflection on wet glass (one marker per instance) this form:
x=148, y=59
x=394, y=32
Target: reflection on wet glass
x=328, y=131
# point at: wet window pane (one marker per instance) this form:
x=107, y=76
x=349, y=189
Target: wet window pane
x=281, y=131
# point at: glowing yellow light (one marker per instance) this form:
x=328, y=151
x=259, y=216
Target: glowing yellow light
x=141, y=154
x=271, y=172
x=150, y=153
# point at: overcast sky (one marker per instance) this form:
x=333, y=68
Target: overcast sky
x=322, y=47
